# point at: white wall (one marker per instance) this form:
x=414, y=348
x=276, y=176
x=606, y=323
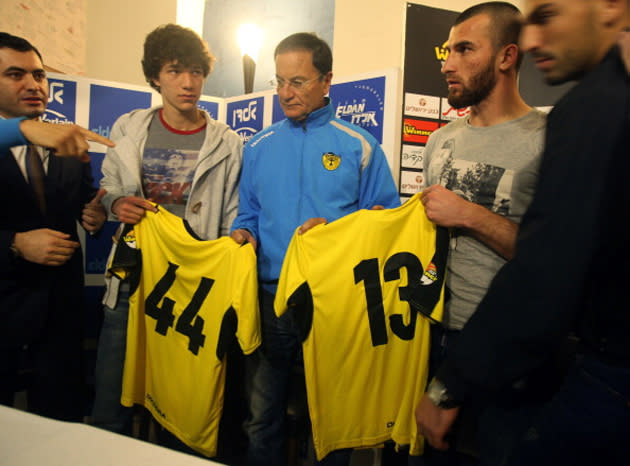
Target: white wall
x=115, y=33
x=57, y=29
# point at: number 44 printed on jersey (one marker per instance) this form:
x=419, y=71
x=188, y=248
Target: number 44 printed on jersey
x=189, y=299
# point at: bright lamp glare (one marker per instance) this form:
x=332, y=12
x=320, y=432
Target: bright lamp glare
x=249, y=39
x=190, y=14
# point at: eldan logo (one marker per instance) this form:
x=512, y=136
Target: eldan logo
x=361, y=103
x=62, y=99
x=357, y=113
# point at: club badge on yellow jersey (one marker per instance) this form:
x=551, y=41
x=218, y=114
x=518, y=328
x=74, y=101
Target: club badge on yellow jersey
x=129, y=238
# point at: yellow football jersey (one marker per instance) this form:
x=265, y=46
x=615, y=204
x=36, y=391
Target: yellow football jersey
x=188, y=299
x=364, y=289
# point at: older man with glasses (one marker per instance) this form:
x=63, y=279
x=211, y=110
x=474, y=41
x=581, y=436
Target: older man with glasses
x=310, y=166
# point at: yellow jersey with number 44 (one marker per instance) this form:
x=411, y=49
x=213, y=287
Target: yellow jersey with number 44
x=363, y=290
x=189, y=299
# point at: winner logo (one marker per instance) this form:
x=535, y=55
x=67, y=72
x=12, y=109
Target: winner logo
x=441, y=53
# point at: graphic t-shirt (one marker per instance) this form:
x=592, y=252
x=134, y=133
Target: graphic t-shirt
x=495, y=167
x=168, y=164
x=361, y=289
x=189, y=299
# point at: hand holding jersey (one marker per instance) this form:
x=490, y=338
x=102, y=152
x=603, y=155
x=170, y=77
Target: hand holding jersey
x=243, y=236
x=131, y=209
x=312, y=222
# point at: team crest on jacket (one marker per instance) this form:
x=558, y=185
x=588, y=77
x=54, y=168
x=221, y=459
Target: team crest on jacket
x=330, y=161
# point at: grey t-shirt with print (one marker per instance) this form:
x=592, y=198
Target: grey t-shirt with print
x=168, y=164
x=496, y=167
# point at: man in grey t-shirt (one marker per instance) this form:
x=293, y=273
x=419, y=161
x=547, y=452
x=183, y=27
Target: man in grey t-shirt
x=480, y=171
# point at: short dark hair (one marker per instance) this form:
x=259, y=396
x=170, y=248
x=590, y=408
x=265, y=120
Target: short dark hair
x=322, y=55
x=17, y=43
x=506, y=23
x=172, y=42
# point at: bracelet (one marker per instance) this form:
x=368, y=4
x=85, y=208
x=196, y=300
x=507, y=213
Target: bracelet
x=16, y=253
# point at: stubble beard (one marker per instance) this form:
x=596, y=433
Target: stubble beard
x=479, y=88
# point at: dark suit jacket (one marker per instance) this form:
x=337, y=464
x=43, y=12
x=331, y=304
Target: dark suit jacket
x=31, y=294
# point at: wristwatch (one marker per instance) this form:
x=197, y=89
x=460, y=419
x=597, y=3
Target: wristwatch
x=439, y=396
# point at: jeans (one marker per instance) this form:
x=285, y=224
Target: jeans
x=587, y=422
x=268, y=371
x=107, y=412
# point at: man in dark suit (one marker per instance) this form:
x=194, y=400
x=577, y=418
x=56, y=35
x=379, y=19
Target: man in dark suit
x=41, y=265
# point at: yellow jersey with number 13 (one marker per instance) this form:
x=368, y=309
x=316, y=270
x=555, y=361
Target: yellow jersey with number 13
x=363, y=290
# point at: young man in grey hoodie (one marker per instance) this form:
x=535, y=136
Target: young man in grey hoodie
x=176, y=156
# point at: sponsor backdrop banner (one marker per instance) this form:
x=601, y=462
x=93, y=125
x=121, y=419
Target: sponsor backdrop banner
x=361, y=103
x=425, y=107
x=62, y=101
x=106, y=104
x=246, y=116
x=211, y=107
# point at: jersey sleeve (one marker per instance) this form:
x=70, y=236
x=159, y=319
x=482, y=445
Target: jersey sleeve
x=246, y=299
x=294, y=293
x=427, y=294
x=125, y=260
x=292, y=275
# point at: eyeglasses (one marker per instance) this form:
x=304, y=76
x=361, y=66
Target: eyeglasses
x=296, y=84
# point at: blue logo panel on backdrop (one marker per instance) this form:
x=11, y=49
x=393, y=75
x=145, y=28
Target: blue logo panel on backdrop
x=108, y=103
x=276, y=111
x=361, y=103
x=62, y=101
x=97, y=247
x=246, y=117
x=96, y=162
x=211, y=107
